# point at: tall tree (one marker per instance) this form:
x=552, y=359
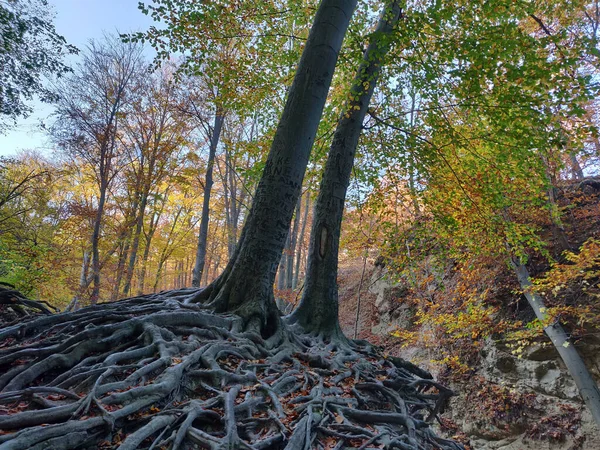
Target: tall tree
x=318, y=309
x=215, y=134
x=156, y=133
x=88, y=120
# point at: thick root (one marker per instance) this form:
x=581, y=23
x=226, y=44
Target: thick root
x=14, y=307
x=154, y=372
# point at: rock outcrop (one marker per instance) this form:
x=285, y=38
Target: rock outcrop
x=543, y=409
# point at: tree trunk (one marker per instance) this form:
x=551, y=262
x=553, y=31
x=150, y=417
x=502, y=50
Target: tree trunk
x=120, y=269
x=292, y=247
x=230, y=199
x=136, y=239
x=567, y=351
x=96, y=242
x=203, y=235
x=83, y=281
x=360, y=285
x=301, y=242
x=166, y=253
x=145, y=256
x=124, y=241
x=246, y=285
x=158, y=276
x=155, y=217
x=558, y=230
x=318, y=309
x=576, y=169
x=282, y=275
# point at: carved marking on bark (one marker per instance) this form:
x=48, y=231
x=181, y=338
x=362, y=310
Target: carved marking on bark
x=323, y=241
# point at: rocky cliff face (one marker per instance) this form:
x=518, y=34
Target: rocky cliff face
x=506, y=402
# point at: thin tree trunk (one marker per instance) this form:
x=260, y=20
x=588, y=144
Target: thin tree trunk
x=142, y=278
x=136, y=240
x=216, y=267
x=124, y=241
x=360, y=285
x=180, y=275
x=96, y=243
x=576, y=169
x=301, y=242
x=412, y=169
x=246, y=285
x=203, y=235
x=229, y=200
x=149, y=236
x=558, y=231
x=282, y=277
x=235, y=206
x=209, y=259
x=166, y=253
x=185, y=272
x=292, y=247
x=318, y=309
x=83, y=281
x=120, y=269
x=158, y=276
x=567, y=351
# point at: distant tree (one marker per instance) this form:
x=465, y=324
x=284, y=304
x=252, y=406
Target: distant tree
x=89, y=115
x=155, y=134
x=30, y=49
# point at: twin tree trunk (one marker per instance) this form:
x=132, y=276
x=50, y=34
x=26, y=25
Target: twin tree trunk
x=246, y=285
x=318, y=309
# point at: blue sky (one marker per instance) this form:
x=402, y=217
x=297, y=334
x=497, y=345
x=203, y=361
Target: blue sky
x=78, y=21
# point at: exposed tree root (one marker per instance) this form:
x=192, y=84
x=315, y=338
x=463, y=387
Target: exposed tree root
x=152, y=372
x=15, y=306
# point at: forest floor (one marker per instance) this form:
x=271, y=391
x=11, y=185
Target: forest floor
x=158, y=372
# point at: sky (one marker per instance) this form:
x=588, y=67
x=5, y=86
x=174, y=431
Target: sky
x=78, y=21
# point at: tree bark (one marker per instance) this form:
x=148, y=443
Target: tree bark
x=318, y=309
x=203, y=234
x=567, y=351
x=246, y=285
